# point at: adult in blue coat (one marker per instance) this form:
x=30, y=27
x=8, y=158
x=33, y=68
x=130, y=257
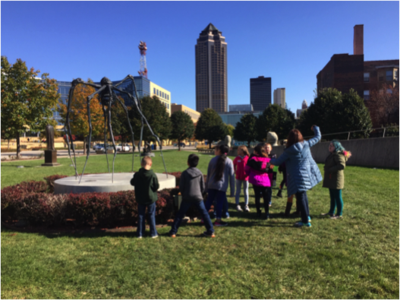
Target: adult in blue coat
x=302, y=171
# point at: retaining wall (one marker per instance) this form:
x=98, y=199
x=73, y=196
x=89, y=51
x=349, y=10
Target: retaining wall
x=373, y=152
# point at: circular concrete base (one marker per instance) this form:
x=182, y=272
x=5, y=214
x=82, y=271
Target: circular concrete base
x=102, y=183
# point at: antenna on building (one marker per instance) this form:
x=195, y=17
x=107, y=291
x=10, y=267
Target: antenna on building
x=143, y=66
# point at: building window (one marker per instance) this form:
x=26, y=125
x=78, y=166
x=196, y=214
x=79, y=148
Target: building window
x=366, y=94
x=154, y=90
x=366, y=77
x=389, y=75
x=380, y=76
x=396, y=74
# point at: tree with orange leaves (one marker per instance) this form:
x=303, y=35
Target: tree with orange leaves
x=78, y=116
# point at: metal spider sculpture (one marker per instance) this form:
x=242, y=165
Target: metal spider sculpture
x=106, y=91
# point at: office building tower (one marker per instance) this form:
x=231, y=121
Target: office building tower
x=260, y=92
x=280, y=97
x=211, y=70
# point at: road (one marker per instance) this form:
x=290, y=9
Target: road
x=64, y=153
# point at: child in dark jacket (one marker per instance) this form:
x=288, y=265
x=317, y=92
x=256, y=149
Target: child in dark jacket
x=146, y=185
x=192, y=188
x=260, y=179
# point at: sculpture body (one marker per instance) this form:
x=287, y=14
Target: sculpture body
x=50, y=137
x=50, y=154
x=272, y=138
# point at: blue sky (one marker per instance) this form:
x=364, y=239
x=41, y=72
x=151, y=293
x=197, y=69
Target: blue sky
x=287, y=41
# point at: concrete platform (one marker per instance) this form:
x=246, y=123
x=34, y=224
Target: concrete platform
x=102, y=183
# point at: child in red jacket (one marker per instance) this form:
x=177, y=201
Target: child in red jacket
x=239, y=164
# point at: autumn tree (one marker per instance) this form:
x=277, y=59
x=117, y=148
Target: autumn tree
x=119, y=121
x=230, y=129
x=26, y=100
x=210, y=127
x=157, y=116
x=182, y=127
x=78, y=116
x=384, y=105
x=246, y=129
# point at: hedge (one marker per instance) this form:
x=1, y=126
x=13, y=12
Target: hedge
x=35, y=202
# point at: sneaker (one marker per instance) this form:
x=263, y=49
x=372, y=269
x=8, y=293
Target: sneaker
x=270, y=204
x=279, y=194
x=173, y=235
x=220, y=223
x=247, y=209
x=336, y=217
x=238, y=208
x=327, y=214
x=154, y=237
x=301, y=224
x=266, y=217
x=309, y=219
x=207, y=234
x=139, y=237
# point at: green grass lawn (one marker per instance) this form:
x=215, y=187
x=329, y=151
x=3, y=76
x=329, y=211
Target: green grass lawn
x=356, y=257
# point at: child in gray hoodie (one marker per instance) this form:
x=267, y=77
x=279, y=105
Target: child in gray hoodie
x=192, y=188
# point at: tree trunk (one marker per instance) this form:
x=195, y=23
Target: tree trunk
x=8, y=144
x=18, y=147
x=209, y=145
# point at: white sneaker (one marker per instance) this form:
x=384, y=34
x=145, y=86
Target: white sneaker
x=238, y=208
x=247, y=209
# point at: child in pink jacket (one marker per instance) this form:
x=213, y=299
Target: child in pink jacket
x=260, y=180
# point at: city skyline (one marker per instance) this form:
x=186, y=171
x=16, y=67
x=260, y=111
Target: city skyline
x=291, y=48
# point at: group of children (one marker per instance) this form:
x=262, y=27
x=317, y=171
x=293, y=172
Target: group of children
x=300, y=173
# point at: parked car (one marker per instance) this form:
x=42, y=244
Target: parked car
x=98, y=147
x=123, y=147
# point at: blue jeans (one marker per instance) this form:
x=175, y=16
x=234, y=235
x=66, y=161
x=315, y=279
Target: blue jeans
x=302, y=203
x=245, y=191
x=151, y=211
x=181, y=214
x=221, y=201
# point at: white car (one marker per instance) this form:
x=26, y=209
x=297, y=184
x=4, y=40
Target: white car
x=123, y=147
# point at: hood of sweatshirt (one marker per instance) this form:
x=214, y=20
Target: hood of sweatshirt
x=145, y=173
x=193, y=172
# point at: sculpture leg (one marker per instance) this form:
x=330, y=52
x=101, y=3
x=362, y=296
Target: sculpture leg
x=112, y=138
x=130, y=127
x=67, y=130
x=90, y=137
x=105, y=136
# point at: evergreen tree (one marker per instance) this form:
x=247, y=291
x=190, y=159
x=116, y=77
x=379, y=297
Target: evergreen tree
x=210, y=127
x=276, y=119
x=182, y=127
x=157, y=116
x=334, y=112
x=246, y=129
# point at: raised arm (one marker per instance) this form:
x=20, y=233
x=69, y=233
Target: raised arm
x=316, y=138
x=280, y=160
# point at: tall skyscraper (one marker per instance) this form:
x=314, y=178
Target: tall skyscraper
x=211, y=70
x=280, y=97
x=260, y=92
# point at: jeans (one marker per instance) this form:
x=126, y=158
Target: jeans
x=181, y=214
x=266, y=192
x=245, y=191
x=221, y=201
x=151, y=211
x=302, y=203
x=336, y=200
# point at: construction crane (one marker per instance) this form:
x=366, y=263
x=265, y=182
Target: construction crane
x=143, y=66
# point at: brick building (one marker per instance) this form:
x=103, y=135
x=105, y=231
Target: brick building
x=345, y=71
